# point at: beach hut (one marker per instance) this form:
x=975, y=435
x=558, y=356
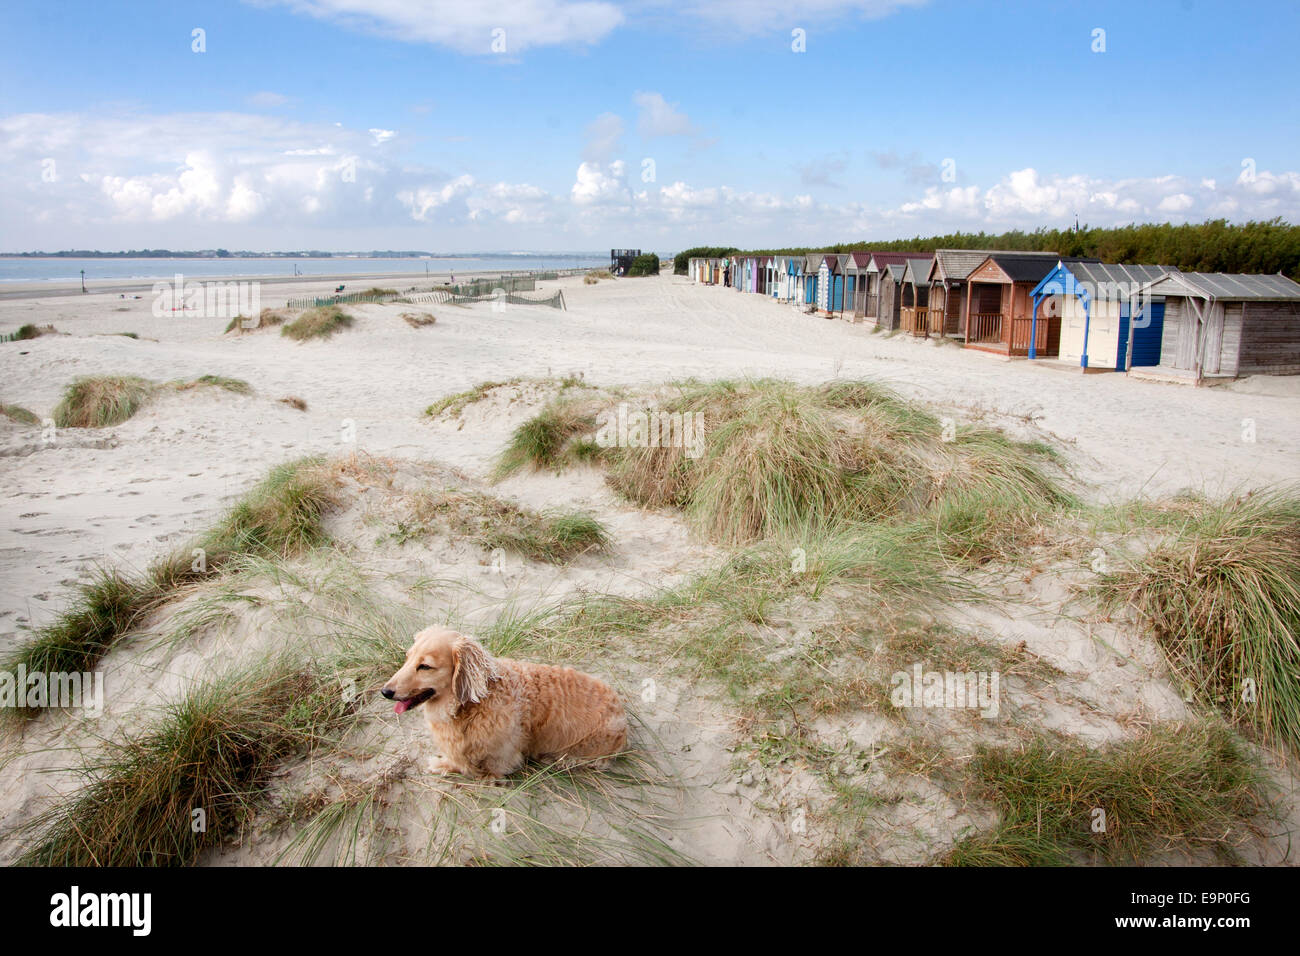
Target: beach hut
x=1092, y=304
x=775, y=276
x=914, y=299
x=778, y=277
x=825, y=274
x=811, y=272
x=754, y=274
x=948, y=274
x=794, y=271
x=830, y=284
x=856, y=265
x=867, y=292
x=1218, y=325
x=744, y=273
x=888, y=301
x=997, y=312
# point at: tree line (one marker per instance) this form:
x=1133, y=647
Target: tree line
x=1212, y=246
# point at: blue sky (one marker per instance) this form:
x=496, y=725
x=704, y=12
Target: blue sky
x=356, y=124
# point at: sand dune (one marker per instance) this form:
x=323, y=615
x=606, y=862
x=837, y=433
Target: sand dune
x=126, y=494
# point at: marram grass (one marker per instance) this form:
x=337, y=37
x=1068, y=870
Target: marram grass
x=1177, y=788
x=556, y=537
x=100, y=401
x=279, y=518
x=318, y=323
x=768, y=458
x=211, y=751
x=1221, y=593
x=17, y=413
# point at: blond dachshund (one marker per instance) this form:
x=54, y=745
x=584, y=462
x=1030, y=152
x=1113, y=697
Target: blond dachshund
x=489, y=715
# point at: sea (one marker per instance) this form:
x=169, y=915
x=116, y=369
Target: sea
x=59, y=269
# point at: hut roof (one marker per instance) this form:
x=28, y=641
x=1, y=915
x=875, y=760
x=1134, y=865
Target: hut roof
x=1224, y=285
x=1031, y=268
x=960, y=263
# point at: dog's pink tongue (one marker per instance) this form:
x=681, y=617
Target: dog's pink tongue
x=401, y=707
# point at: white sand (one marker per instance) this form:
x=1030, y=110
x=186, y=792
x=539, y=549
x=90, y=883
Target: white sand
x=124, y=495
x=122, y=492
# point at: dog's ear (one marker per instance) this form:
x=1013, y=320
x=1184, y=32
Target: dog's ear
x=474, y=669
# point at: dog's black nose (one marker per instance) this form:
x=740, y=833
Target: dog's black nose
x=389, y=693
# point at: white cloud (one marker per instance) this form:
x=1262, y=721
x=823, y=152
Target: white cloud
x=245, y=180
x=604, y=138
x=657, y=117
x=469, y=27
x=265, y=99
x=754, y=17
x=1025, y=198
x=600, y=185
x=381, y=136
x=424, y=201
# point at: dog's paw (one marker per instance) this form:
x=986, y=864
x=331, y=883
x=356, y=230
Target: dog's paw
x=441, y=765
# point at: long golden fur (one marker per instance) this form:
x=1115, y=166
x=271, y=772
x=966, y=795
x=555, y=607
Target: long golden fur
x=489, y=715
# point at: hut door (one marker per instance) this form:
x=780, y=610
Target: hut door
x=1212, y=340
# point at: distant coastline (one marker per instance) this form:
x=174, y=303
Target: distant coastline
x=116, y=268
x=305, y=254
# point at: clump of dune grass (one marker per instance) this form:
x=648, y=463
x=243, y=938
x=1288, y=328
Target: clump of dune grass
x=611, y=817
x=457, y=402
x=267, y=318
x=418, y=320
x=555, y=537
x=1177, y=788
x=101, y=401
x=26, y=332
x=1221, y=593
x=107, y=604
x=601, y=274
x=237, y=385
x=279, y=518
x=377, y=292
x=19, y=414
x=775, y=457
x=589, y=279
x=550, y=439
x=211, y=751
x=293, y=401
x=318, y=323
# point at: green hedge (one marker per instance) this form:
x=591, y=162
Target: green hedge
x=646, y=264
x=683, y=258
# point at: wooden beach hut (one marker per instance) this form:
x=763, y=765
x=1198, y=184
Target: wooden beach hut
x=830, y=284
x=948, y=274
x=811, y=272
x=793, y=272
x=997, y=314
x=855, y=272
x=914, y=299
x=1093, y=304
x=1219, y=325
x=888, y=301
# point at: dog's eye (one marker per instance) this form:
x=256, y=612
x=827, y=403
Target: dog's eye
x=424, y=667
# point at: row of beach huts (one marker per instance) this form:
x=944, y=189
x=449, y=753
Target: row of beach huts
x=1148, y=319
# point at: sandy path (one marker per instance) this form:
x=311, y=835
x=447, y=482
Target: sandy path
x=124, y=493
